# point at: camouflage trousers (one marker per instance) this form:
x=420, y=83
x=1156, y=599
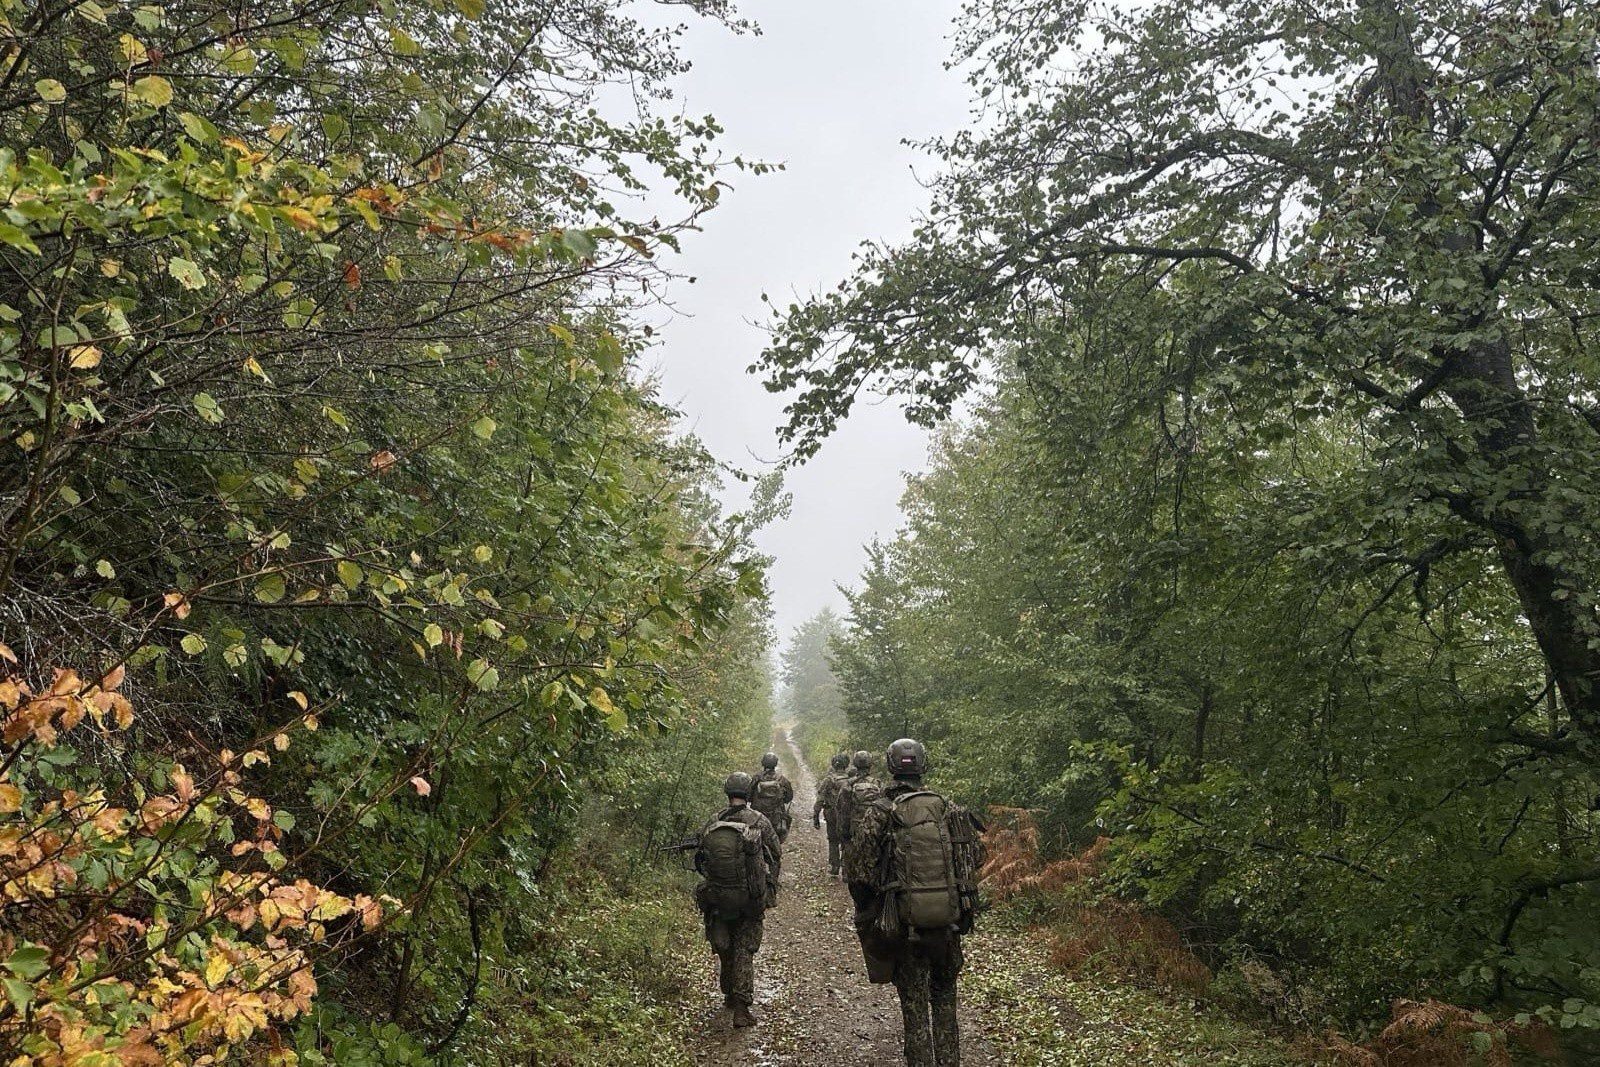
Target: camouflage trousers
x=835, y=854
x=925, y=975
x=736, y=942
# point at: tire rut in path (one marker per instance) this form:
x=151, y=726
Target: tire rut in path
x=813, y=999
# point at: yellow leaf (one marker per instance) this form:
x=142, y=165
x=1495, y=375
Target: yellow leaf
x=133, y=50
x=10, y=798
x=84, y=357
x=216, y=969
x=300, y=218
x=300, y=698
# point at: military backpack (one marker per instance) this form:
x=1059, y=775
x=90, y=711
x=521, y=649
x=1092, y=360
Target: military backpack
x=733, y=864
x=854, y=800
x=934, y=857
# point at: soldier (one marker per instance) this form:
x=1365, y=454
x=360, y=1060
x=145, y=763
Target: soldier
x=738, y=857
x=859, y=791
x=773, y=795
x=912, y=866
x=827, y=795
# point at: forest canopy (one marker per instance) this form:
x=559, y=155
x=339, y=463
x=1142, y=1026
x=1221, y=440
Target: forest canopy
x=342, y=552
x=1269, y=549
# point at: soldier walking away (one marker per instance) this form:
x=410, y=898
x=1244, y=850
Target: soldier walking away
x=827, y=796
x=860, y=791
x=912, y=865
x=857, y=794
x=738, y=858
x=773, y=795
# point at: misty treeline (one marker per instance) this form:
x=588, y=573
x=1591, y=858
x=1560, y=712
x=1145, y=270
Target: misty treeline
x=1266, y=543
x=347, y=572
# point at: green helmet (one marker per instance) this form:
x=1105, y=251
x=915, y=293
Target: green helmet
x=863, y=761
x=769, y=761
x=840, y=760
x=738, y=784
x=907, y=759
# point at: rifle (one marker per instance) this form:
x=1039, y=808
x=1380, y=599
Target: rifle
x=687, y=845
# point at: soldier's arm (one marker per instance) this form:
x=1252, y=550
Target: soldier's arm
x=788, y=789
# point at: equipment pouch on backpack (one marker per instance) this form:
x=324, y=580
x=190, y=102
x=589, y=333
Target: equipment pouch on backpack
x=966, y=843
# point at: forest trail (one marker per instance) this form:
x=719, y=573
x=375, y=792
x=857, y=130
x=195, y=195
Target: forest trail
x=813, y=999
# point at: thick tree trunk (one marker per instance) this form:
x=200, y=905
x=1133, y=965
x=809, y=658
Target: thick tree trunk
x=1484, y=387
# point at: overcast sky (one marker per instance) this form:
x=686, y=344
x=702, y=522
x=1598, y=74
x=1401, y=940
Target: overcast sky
x=829, y=89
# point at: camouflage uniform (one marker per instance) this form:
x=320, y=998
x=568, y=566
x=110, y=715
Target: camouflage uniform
x=779, y=818
x=827, y=796
x=923, y=966
x=736, y=941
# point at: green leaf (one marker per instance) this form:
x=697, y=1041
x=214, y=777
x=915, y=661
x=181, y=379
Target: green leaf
x=50, y=90
x=473, y=9
x=482, y=675
x=615, y=717
x=433, y=634
x=350, y=573
x=208, y=408
x=104, y=569
x=484, y=427
x=17, y=238
x=199, y=129
x=187, y=272
x=29, y=961
x=193, y=644
x=579, y=242
x=404, y=44
x=236, y=656
x=18, y=992
x=608, y=353
x=154, y=90
x=270, y=589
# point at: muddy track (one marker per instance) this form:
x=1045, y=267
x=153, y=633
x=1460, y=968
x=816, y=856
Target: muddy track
x=813, y=999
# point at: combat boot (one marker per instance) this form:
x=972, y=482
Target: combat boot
x=742, y=1016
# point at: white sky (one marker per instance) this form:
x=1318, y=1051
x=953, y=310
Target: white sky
x=830, y=88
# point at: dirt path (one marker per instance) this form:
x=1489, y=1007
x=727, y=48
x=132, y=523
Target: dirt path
x=813, y=999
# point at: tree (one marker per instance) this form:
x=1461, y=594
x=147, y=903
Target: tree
x=1375, y=214
x=1273, y=549
x=318, y=434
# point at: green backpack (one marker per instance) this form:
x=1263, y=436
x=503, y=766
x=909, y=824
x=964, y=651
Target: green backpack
x=768, y=799
x=935, y=856
x=854, y=800
x=733, y=866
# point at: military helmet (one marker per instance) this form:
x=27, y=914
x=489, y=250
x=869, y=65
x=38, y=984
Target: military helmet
x=738, y=784
x=863, y=760
x=840, y=761
x=907, y=759
x=769, y=761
